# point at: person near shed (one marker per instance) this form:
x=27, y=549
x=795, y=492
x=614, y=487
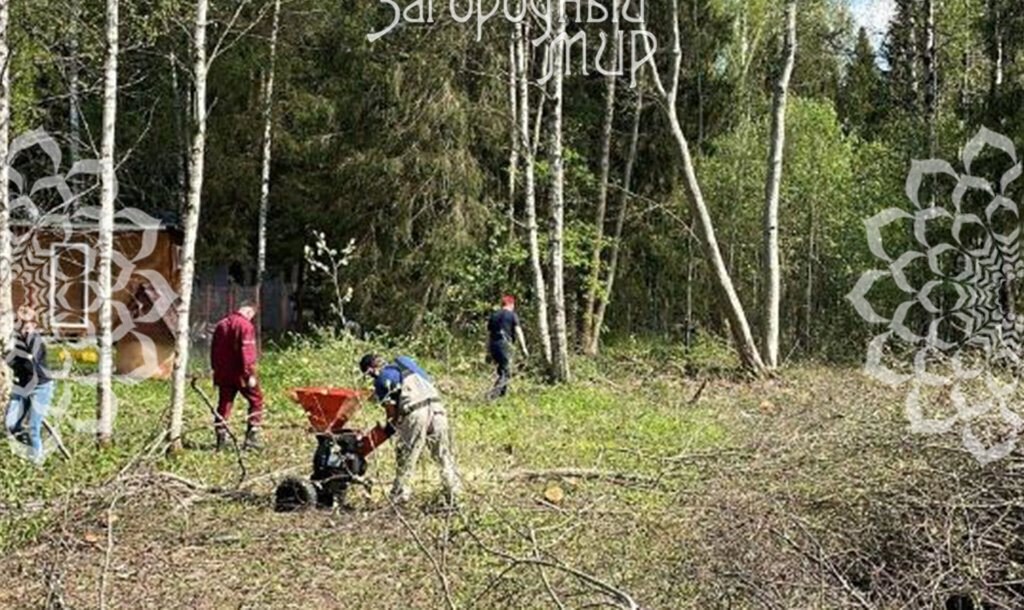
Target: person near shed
x=415, y=408
x=33, y=386
x=502, y=328
x=233, y=356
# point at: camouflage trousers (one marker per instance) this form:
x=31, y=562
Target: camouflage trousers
x=425, y=427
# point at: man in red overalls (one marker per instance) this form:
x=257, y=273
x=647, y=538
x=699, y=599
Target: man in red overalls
x=233, y=358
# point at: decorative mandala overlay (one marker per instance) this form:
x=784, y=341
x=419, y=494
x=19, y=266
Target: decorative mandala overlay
x=953, y=338
x=55, y=270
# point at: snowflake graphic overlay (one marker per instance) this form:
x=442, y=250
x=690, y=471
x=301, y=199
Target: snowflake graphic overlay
x=46, y=214
x=953, y=340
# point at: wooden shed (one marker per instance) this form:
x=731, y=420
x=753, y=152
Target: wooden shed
x=56, y=271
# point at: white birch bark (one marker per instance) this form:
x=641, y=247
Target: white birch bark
x=750, y=358
x=772, y=281
x=108, y=191
x=74, y=104
x=997, y=48
x=268, y=134
x=556, y=240
x=6, y=305
x=620, y=221
x=513, y=157
x=594, y=277
x=912, y=57
x=191, y=221
x=932, y=74
x=530, y=198
x=179, y=132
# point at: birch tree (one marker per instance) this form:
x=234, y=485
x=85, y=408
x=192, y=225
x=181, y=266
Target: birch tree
x=201, y=61
x=620, y=221
x=996, y=50
x=181, y=148
x=193, y=202
x=771, y=204
x=104, y=389
x=513, y=157
x=6, y=302
x=730, y=302
x=268, y=134
x=529, y=149
x=556, y=239
x=931, y=58
x=594, y=277
x=74, y=103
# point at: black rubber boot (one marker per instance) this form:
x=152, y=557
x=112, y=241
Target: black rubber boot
x=253, y=439
x=222, y=439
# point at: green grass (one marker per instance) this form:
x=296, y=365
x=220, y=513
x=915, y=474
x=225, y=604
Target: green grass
x=711, y=479
x=537, y=426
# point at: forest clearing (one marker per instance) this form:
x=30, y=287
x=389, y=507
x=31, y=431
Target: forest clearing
x=682, y=491
x=512, y=304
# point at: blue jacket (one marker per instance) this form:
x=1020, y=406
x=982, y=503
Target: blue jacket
x=388, y=384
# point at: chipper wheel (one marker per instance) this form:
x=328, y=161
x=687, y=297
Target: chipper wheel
x=295, y=494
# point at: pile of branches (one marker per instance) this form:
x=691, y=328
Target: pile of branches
x=861, y=516
x=951, y=537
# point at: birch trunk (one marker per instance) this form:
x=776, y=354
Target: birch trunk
x=730, y=302
x=268, y=135
x=6, y=305
x=772, y=281
x=594, y=277
x=744, y=58
x=996, y=53
x=620, y=221
x=812, y=258
x=108, y=191
x=697, y=44
x=74, y=107
x=530, y=196
x=539, y=118
x=932, y=74
x=179, y=133
x=513, y=158
x=192, y=208
x=912, y=58
x=689, y=293
x=560, y=336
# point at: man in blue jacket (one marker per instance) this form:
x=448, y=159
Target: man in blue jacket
x=415, y=408
x=503, y=330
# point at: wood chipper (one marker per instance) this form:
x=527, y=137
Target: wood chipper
x=340, y=455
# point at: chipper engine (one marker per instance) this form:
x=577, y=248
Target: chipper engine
x=340, y=455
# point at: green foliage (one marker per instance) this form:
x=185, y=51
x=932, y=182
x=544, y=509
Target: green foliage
x=403, y=146
x=862, y=91
x=831, y=183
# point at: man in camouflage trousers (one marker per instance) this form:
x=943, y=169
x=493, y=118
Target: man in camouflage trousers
x=415, y=408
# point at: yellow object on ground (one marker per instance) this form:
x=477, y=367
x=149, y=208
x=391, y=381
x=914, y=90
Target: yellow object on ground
x=87, y=355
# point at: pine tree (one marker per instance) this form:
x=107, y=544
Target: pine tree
x=903, y=56
x=858, y=104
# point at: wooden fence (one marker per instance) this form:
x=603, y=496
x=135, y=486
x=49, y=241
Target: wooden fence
x=215, y=295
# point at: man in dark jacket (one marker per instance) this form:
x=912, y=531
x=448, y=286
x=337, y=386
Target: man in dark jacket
x=233, y=358
x=502, y=329
x=33, y=387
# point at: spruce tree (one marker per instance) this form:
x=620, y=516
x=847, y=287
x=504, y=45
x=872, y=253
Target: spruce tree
x=861, y=89
x=902, y=53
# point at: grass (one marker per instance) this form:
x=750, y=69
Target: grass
x=721, y=492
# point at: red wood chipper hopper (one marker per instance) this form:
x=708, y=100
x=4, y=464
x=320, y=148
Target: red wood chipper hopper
x=340, y=456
